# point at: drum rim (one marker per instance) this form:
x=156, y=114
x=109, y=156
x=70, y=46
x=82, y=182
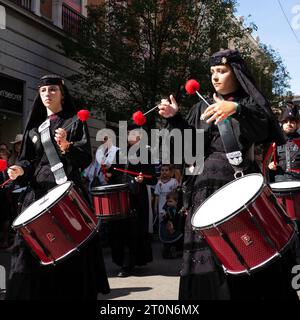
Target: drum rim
x=109, y=188
x=42, y=212
x=267, y=262
x=73, y=251
x=286, y=190
x=212, y=225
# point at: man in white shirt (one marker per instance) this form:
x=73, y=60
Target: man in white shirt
x=164, y=185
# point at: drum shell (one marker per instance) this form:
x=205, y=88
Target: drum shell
x=61, y=229
x=290, y=200
x=111, y=203
x=259, y=232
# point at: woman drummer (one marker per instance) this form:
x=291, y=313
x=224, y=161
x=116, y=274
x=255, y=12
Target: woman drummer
x=82, y=275
x=239, y=103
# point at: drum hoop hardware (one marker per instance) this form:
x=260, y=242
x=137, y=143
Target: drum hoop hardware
x=238, y=174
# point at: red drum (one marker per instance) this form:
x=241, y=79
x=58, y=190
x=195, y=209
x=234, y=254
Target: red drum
x=288, y=195
x=57, y=225
x=111, y=201
x=244, y=225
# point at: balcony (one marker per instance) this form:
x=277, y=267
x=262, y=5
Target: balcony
x=26, y=4
x=72, y=21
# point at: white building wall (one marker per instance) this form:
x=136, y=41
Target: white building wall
x=29, y=50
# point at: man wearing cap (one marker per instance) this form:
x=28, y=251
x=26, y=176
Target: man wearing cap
x=288, y=155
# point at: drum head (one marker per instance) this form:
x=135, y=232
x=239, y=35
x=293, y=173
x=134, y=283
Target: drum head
x=285, y=186
x=109, y=188
x=227, y=200
x=40, y=205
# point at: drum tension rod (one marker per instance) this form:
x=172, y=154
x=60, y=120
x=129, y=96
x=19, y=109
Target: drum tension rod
x=240, y=258
x=39, y=242
x=280, y=209
x=262, y=231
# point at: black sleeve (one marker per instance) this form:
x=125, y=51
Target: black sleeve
x=27, y=158
x=254, y=122
x=191, y=122
x=79, y=154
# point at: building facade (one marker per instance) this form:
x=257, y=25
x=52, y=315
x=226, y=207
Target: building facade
x=30, y=34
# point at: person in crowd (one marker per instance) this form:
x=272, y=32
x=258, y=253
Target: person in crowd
x=129, y=238
x=164, y=185
x=287, y=164
x=5, y=202
x=172, y=227
x=82, y=275
x=16, y=149
x=239, y=106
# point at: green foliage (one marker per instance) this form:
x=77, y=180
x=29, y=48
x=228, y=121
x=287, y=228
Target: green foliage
x=134, y=54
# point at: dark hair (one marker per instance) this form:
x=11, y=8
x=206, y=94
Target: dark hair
x=172, y=195
x=4, y=144
x=167, y=165
x=38, y=113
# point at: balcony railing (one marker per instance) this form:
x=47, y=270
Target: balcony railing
x=26, y=4
x=72, y=21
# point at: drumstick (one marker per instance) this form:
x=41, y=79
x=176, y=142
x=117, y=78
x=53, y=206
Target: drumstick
x=267, y=157
x=274, y=154
x=104, y=171
x=5, y=182
x=134, y=173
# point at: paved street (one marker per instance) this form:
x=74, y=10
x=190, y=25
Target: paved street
x=158, y=280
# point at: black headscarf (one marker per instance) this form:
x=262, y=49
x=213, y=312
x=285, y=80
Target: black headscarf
x=247, y=83
x=39, y=113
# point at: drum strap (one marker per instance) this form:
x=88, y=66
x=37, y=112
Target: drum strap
x=51, y=153
x=232, y=148
x=287, y=156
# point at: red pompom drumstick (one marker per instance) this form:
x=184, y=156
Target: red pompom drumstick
x=83, y=115
x=192, y=86
x=139, y=118
x=3, y=166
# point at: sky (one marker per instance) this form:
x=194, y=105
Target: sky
x=275, y=30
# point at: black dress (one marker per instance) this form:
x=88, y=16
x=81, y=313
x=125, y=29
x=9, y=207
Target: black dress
x=129, y=239
x=80, y=276
x=202, y=276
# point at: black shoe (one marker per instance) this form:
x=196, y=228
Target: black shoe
x=124, y=272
